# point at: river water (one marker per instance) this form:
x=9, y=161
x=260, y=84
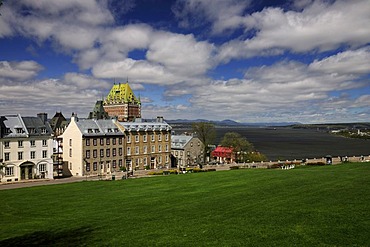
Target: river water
x=286, y=143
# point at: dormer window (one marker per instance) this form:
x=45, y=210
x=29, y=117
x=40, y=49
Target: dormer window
x=31, y=130
x=19, y=130
x=96, y=130
x=43, y=130
x=89, y=131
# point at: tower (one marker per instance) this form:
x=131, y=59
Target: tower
x=122, y=103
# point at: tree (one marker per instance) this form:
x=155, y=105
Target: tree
x=239, y=144
x=206, y=133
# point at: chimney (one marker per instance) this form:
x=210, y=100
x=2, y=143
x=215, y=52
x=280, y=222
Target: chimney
x=159, y=119
x=74, y=117
x=43, y=117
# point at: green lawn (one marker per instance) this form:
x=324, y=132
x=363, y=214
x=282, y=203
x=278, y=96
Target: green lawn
x=306, y=206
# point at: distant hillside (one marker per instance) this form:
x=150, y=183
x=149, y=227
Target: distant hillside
x=334, y=126
x=228, y=122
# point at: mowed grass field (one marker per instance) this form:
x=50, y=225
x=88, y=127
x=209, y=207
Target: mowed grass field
x=306, y=206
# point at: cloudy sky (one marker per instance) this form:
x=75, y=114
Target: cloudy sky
x=250, y=61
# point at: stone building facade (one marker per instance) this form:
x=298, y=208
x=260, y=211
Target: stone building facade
x=187, y=150
x=103, y=147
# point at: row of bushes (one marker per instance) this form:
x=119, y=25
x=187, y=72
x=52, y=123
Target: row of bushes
x=188, y=170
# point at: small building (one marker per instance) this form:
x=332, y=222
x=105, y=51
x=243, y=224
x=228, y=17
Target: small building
x=223, y=155
x=26, y=148
x=187, y=150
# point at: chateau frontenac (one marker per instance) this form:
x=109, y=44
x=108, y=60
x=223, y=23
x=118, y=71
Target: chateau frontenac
x=121, y=103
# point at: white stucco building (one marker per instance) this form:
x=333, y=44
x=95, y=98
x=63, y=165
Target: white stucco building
x=26, y=148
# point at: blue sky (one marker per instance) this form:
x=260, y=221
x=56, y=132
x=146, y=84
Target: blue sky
x=250, y=61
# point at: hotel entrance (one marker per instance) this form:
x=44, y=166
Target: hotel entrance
x=27, y=171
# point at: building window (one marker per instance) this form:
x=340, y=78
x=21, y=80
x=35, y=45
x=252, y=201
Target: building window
x=94, y=142
x=153, y=137
x=101, y=152
x=120, y=141
x=108, y=141
x=145, y=149
x=120, y=163
x=87, y=167
x=20, y=155
x=42, y=167
x=159, y=137
x=114, y=141
x=114, y=163
x=120, y=151
x=95, y=153
x=114, y=152
x=108, y=152
x=136, y=138
x=128, y=150
x=166, y=159
x=101, y=141
x=9, y=171
x=95, y=166
x=43, y=130
x=166, y=147
x=128, y=139
x=160, y=159
x=145, y=138
x=166, y=137
x=176, y=153
x=19, y=130
x=145, y=161
x=6, y=144
x=32, y=143
x=159, y=148
x=70, y=142
x=87, y=142
x=153, y=149
x=20, y=144
x=6, y=156
x=136, y=150
x=70, y=152
x=191, y=144
x=32, y=154
x=87, y=154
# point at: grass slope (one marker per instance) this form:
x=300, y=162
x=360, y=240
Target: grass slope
x=307, y=206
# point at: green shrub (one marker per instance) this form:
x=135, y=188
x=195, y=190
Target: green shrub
x=197, y=170
x=173, y=171
x=155, y=173
x=234, y=167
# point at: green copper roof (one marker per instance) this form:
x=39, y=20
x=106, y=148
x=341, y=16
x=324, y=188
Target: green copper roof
x=121, y=93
